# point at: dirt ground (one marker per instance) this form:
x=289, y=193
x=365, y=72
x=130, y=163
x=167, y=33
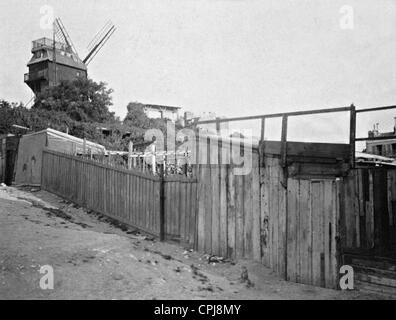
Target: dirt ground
x=94, y=259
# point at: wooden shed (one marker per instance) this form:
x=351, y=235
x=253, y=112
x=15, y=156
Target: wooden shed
x=31, y=146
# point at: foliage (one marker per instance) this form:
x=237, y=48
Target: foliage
x=83, y=100
x=80, y=107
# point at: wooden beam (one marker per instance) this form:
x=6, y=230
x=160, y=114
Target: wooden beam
x=278, y=115
x=376, y=138
x=376, y=109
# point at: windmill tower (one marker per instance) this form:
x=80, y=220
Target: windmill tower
x=55, y=60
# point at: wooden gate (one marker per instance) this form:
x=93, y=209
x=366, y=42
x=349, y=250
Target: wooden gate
x=312, y=221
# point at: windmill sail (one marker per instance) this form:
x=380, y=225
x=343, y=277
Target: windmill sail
x=99, y=41
x=62, y=35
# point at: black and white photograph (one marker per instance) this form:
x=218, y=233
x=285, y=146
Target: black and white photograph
x=197, y=150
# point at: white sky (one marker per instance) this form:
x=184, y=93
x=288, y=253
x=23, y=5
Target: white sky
x=231, y=57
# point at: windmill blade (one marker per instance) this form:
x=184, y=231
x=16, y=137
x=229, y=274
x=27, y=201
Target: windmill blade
x=100, y=34
x=62, y=34
x=100, y=42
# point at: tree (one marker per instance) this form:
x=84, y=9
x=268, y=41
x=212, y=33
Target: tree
x=82, y=100
x=136, y=117
x=11, y=113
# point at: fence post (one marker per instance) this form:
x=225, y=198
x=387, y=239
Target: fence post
x=153, y=162
x=130, y=150
x=84, y=146
x=162, y=205
x=352, y=134
x=284, y=141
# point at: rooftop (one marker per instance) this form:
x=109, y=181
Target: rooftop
x=159, y=107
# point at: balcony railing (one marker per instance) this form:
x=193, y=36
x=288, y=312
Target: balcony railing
x=46, y=42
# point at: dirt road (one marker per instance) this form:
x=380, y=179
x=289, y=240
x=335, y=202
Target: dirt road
x=93, y=259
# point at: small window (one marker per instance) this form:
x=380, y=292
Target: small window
x=78, y=74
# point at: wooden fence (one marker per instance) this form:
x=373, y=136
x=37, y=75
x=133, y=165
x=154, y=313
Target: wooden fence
x=129, y=196
x=286, y=220
x=369, y=204
x=228, y=205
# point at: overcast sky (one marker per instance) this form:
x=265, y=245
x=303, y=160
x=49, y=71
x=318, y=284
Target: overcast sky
x=231, y=57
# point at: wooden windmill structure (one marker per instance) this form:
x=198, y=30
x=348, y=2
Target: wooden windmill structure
x=55, y=60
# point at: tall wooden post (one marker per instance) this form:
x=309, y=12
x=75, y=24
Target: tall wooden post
x=284, y=141
x=130, y=150
x=262, y=143
x=153, y=159
x=352, y=135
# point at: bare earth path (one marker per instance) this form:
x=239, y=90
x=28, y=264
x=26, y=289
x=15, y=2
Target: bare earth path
x=92, y=259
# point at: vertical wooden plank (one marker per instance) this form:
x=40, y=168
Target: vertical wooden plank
x=389, y=196
x=264, y=213
x=273, y=213
x=248, y=215
x=208, y=203
x=335, y=235
x=370, y=213
x=176, y=208
x=292, y=234
x=215, y=198
x=201, y=196
x=317, y=232
x=327, y=231
x=282, y=221
x=184, y=212
x=356, y=207
x=256, y=212
x=231, y=212
x=305, y=229
x=193, y=219
x=239, y=206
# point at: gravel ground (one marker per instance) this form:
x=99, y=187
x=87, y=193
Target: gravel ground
x=93, y=258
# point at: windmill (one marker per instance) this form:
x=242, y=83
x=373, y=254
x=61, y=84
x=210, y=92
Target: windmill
x=55, y=60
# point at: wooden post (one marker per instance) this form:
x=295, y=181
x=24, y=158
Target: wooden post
x=218, y=126
x=352, y=135
x=185, y=119
x=130, y=150
x=285, y=176
x=261, y=144
x=153, y=160
x=84, y=146
x=162, y=205
x=284, y=141
x=262, y=129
